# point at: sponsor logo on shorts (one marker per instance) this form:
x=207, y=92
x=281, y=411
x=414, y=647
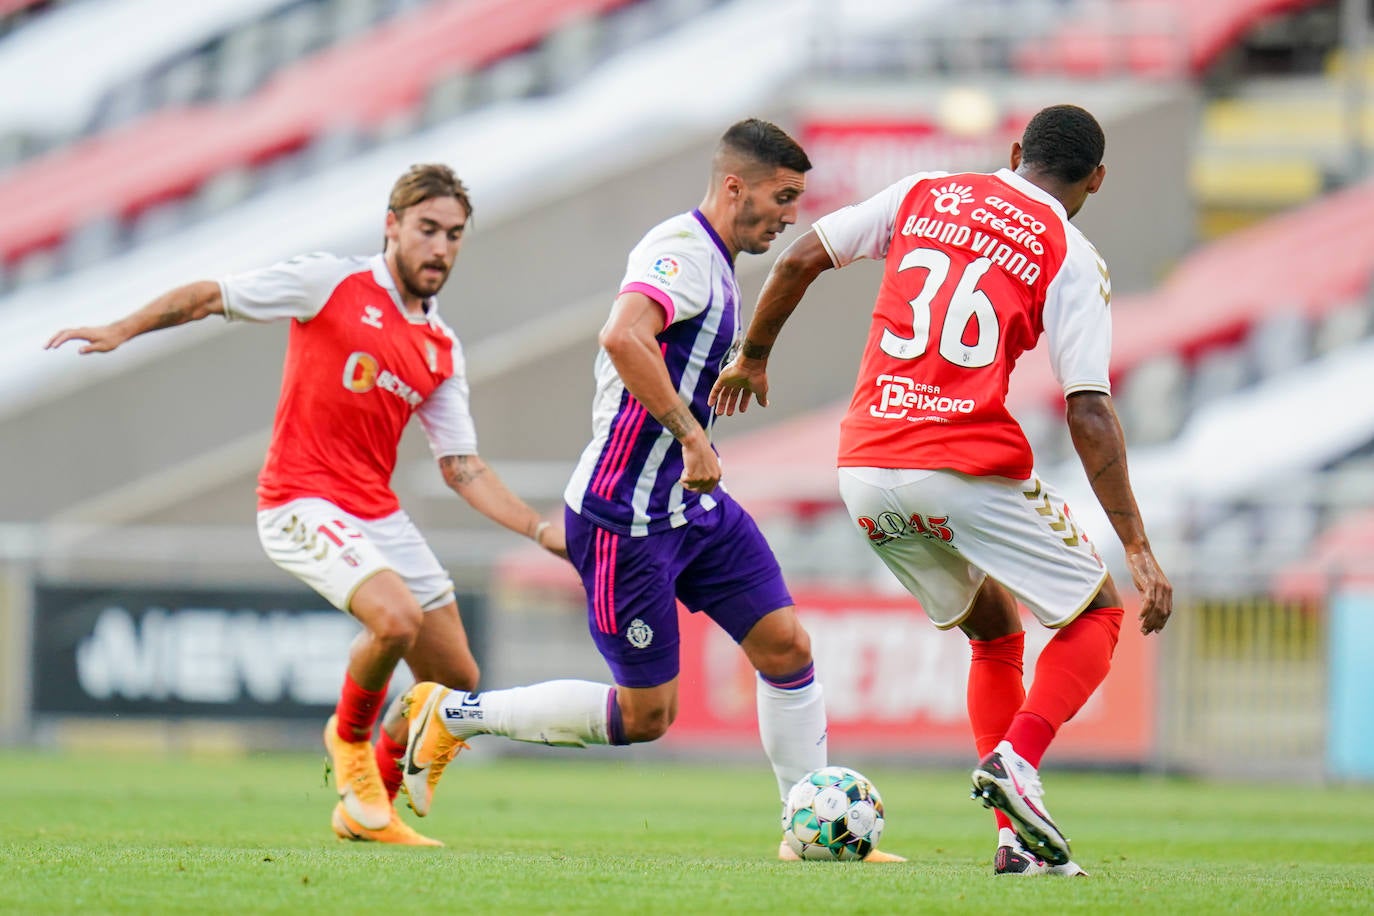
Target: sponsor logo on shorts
x=889, y=526
x=640, y=634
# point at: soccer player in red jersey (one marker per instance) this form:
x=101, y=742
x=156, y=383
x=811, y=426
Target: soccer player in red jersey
x=367, y=350
x=938, y=475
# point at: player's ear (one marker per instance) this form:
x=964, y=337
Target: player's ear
x=1015, y=155
x=392, y=228
x=1096, y=178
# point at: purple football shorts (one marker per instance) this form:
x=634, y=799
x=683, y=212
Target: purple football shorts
x=718, y=563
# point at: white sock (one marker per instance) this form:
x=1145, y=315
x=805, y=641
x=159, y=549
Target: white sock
x=792, y=726
x=565, y=713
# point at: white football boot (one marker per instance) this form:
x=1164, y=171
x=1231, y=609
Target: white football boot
x=1006, y=781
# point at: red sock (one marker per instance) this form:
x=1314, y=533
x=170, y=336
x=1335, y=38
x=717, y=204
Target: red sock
x=1072, y=666
x=389, y=753
x=358, y=710
x=995, y=692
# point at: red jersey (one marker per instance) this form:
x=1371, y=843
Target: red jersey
x=357, y=367
x=978, y=266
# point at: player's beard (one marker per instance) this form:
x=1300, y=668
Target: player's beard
x=752, y=227
x=414, y=284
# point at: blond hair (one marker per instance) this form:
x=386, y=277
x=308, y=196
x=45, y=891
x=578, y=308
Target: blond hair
x=426, y=181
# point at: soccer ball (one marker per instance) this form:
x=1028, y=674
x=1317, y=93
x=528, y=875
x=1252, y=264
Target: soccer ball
x=833, y=813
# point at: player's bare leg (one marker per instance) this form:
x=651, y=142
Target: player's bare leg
x=647, y=712
x=442, y=654
x=391, y=619
x=441, y=651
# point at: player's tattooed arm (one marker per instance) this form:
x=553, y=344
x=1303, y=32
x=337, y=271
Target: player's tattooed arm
x=751, y=350
x=746, y=378
x=679, y=421
x=461, y=470
x=1101, y=446
x=177, y=306
x=790, y=277
x=471, y=478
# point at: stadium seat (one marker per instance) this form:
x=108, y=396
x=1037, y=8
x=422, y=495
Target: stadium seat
x=1224, y=290
x=1147, y=38
x=365, y=83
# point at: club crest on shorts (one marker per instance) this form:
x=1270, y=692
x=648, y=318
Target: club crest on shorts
x=640, y=634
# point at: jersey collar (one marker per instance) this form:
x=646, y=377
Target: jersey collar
x=382, y=274
x=711, y=231
x=1032, y=190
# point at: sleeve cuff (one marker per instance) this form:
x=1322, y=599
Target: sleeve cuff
x=664, y=300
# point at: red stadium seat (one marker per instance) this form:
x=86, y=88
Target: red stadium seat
x=10, y=7
x=359, y=84
x=1219, y=293
x=1341, y=555
x=1149, y=38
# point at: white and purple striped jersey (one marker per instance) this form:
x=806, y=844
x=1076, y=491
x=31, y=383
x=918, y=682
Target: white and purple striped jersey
x=627, y=480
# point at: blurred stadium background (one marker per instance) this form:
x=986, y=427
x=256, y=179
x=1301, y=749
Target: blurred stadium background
x=144, y=143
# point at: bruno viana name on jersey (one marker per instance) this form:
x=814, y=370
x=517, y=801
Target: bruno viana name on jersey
x=996, y=248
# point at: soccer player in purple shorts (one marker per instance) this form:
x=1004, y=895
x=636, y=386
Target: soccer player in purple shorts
x=648, y=522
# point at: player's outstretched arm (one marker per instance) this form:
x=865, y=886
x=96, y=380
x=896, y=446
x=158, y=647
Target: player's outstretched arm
x=178, y=306
x=1098, y=439
x=791, y=276
x=630, y=339
x=471, y=478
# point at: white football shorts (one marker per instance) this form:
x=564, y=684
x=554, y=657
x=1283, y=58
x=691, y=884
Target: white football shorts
x=941, y=533
x=334, y=552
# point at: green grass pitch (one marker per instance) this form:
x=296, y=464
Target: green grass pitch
x=89, y=833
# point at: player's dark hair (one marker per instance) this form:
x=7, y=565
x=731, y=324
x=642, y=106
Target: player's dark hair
x=1064, y=142
x=765, y=143
x=427, y=181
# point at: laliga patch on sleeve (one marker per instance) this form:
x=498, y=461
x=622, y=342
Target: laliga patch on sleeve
x=665, y=270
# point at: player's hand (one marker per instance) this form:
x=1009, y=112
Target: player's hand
x=700, y=465
x=1156, y=594
x=737, y=383
x=98, y=340
x=554, y=539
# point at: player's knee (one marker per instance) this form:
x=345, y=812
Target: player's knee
x=785, y=656
x=778, y=645
x=648, y=724
x=398, y=627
